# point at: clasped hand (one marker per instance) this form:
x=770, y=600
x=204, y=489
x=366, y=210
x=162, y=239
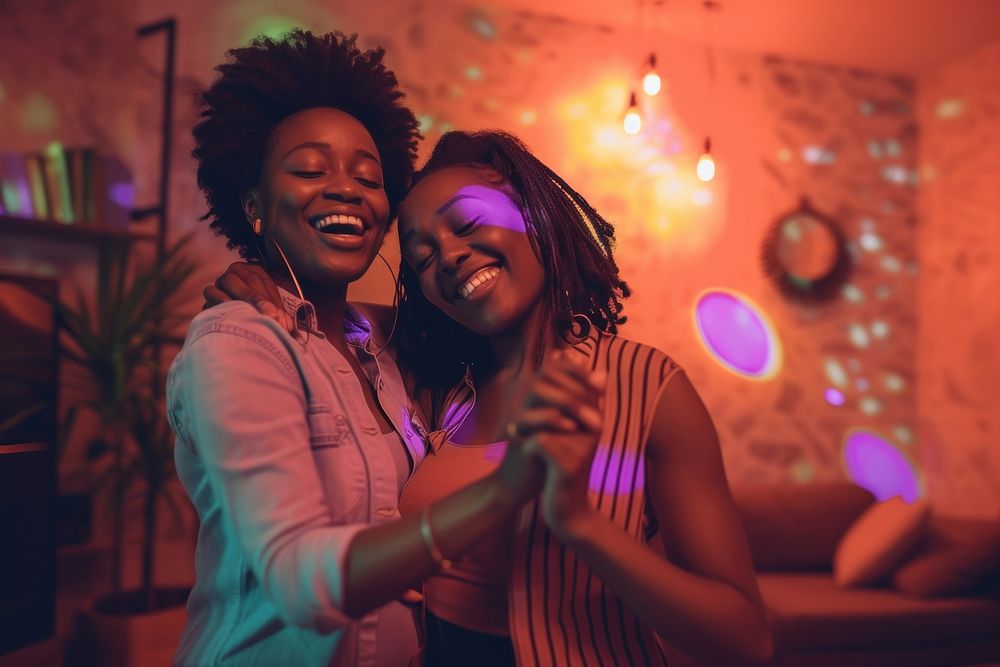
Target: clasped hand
x=558, y=425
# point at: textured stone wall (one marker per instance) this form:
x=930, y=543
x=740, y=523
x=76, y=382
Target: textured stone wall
x=958, y=358
x=780, y=130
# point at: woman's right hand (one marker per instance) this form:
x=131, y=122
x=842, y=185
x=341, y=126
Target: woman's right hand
x=560, y=412
x=250, y=283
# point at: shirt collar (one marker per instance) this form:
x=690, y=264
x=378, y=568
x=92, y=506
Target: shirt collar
x=357, y=328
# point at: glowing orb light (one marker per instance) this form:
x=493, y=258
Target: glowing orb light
x=874, y=464
x=870, y=405
x=834, y=397
x=269, y=25
x=853, y=293
x=858, y=335
x=951, y=108
x=705, y=168
x=835, y=372
x=880, y=329
x=482, y=26
x=894, y=382
x=891, y=264
x=817, y=155
x=38, y=114
x=870, y=241
x=633, y=122
x=737, y=334
x=651, y=83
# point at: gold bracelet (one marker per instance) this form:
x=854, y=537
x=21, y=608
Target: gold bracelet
x=428, y=537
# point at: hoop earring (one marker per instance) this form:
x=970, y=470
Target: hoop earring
x=395, y=307
x=579, y=329
x=257, y=227
x=295, y=281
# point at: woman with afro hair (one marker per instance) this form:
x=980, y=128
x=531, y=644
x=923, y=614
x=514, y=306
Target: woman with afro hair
x=294, y=432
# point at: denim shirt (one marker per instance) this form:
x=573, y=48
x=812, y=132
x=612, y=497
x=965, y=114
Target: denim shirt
x=284, y=463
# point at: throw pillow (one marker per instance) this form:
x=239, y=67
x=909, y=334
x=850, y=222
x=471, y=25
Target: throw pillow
x=881, y=538
x=958, y=557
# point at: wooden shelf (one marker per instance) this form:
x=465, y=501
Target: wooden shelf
x=91, y=232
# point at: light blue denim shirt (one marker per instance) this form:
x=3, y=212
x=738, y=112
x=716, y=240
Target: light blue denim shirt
x=284, y=462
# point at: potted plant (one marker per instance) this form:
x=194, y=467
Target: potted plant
x=116, y=344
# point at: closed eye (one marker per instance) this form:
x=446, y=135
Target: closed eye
x=307, y=174
x=422, y=264
x=469, y=226
x=368, y=183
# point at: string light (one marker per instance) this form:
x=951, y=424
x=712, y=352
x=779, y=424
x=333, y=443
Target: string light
x=651, y=82
x=706, y=165
x=632, y=120
x=705, y=168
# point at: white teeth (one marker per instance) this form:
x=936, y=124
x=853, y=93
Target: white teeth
x=478, y=278
x=351, y=220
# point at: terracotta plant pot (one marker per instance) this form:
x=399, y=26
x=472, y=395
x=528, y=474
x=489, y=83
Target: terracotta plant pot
x=134, y=639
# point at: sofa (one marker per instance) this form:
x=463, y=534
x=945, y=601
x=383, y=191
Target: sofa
x=794, y=532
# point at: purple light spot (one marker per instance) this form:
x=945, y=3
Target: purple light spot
x=610, y=464
x=834, y=397
x=873, y=463
x=122, y=194
x=737, y=334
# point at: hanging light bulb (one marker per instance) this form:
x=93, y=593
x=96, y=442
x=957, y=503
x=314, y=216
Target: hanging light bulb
x=651, y=81
x=706, y=165
x=633, y=121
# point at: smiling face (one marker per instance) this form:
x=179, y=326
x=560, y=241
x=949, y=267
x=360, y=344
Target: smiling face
x=321, y=196
x=467, y=241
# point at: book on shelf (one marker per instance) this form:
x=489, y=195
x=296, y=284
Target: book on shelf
x=57, y=183
x=68, y=185
x=34, y=165
x=80, y=165
x=15, y=191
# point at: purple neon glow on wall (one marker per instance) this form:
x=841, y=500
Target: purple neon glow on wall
x=737, y=335
x=123, y=194
x=834, y=396
x=875, y=464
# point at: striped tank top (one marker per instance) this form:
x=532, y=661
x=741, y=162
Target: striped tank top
x=560, y=613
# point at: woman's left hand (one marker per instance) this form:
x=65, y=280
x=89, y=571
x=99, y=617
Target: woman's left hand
x=560, y=423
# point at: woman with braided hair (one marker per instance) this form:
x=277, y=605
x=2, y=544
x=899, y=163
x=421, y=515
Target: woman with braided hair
x=635, y=536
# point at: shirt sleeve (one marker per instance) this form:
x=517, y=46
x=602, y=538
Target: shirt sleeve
x=240, y=402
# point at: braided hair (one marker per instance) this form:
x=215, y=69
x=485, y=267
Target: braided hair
x=574, y=243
